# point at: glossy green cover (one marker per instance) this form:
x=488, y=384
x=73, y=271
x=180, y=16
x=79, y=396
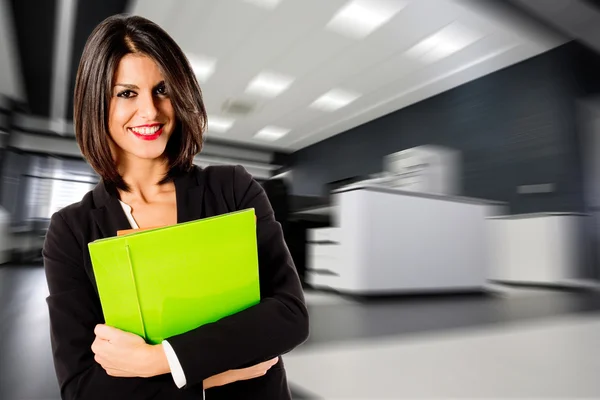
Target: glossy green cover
x=166, y=281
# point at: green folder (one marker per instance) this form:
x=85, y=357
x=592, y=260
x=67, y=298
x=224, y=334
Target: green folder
x=166, y=281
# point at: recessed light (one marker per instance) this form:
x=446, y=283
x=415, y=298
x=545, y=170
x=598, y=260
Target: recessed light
x=219, y=124
x=268, y=4
x=359, y=18
x=269, y=84
x=203, y=66
x=446, y=41
x=271, y=133
x=334, y=100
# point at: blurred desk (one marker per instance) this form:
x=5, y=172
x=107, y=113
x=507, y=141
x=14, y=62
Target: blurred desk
x=384, y=240
x=539, y=248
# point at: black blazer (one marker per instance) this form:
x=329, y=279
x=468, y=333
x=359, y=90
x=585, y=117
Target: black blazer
x=275, y=326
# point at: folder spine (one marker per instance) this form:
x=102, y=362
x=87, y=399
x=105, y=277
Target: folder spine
x=137, y=294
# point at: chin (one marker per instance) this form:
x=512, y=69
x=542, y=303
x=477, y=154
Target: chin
x=148, y=152
x=149, y=155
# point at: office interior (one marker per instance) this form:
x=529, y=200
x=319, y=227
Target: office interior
x=432, y=163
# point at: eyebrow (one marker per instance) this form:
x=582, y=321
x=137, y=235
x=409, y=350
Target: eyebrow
x=130, y=86
x=126, y=85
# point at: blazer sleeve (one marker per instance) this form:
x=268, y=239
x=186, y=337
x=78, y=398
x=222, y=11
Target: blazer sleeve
x=276, y=325
x=74, y=312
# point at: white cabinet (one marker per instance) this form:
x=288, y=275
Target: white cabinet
x=393, y=241
x=541, y=248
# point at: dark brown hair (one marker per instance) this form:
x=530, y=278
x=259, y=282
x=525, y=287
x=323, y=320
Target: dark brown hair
x=112, y=39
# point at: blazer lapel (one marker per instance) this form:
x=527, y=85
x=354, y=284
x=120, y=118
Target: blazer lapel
x=189, y=189
x=109, y=214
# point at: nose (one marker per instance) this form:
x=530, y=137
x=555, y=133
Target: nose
x=147, y=107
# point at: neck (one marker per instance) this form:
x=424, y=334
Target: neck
x=142, y=177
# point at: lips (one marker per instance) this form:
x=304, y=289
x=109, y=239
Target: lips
x=147, y=132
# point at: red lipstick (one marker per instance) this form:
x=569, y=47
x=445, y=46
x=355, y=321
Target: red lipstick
x=148, y=137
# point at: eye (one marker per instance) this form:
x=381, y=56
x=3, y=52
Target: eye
x=126, y=94
x=161, y=90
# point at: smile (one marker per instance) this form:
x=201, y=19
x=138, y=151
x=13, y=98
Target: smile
x=152, y=132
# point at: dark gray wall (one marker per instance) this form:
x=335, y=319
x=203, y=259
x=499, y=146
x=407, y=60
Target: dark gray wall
x=514, y=127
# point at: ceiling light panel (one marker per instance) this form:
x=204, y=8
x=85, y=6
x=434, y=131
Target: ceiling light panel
x=447, y=41
x=203, y=66
x=269, y=84
x=359, y=18
x=266, y=4
x=219, y=124
x=271, y=133
x=334, y=100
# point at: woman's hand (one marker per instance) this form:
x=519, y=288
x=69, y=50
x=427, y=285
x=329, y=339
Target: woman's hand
x=126, y=355
x=234, y=375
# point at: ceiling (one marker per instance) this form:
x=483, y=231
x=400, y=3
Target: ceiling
x=579, y=19
x=403, y=61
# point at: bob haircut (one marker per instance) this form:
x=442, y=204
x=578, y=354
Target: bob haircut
x=110, y=41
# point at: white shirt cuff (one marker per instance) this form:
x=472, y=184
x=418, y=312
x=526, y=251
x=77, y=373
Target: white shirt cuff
x=176, y=370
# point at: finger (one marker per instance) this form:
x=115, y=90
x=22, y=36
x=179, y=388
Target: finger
x=263, y=366
x=117, y=373
x=105, y=332
x=109, y=368
x=99, y=346
x=268, y=364
x=257, y=371
x=254, y=376
x=112, y=372
x=121, y=373
x=103, y=361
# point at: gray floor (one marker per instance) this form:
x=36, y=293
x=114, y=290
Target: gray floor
x=558, y=357
x=352, y=320
x=384, y=348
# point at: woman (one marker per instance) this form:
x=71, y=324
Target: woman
x=139, y=120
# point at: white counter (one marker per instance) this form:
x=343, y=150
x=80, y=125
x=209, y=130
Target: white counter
x=387, y=240
x=541, y=248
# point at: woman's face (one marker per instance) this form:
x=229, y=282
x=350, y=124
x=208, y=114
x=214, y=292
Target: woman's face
x=141, y=118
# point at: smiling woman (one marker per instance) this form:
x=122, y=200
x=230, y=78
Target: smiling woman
x=140, y=110
x=139, y=121
x=137, y=75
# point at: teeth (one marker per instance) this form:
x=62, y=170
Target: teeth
x=146, y=130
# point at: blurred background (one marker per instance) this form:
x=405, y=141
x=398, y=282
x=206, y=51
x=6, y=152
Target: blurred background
x=432, y=162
